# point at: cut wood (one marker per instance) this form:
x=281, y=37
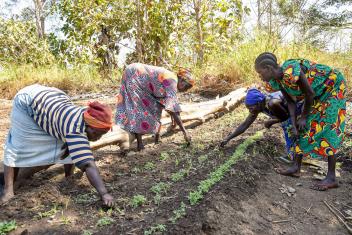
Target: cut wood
x=197, y=113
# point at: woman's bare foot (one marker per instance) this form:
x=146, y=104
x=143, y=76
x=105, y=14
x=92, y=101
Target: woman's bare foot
x=293, y=171
x=325, y=184
x=6, y=197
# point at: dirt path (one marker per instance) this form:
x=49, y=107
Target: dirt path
x=153, y=188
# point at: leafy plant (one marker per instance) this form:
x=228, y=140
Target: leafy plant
x=178, y=175
x=154, y=229
x=104, y=221
x=87, y=232
x=48, y=213
x=164, y=156
x=137, y=201
x=149, y=166
x=160, y=188
x=6, y=227
x=179, y=213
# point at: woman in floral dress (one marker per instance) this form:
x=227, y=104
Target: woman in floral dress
x=321, y=125
x=144, y=92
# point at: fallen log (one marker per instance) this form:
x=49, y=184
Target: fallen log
x=197, y=113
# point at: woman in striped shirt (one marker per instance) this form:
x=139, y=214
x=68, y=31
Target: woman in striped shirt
x=47, y=128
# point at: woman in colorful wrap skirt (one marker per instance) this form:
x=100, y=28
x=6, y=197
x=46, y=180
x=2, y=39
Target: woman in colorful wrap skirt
x=321, y=125
x=47, y=128
x=145, y=91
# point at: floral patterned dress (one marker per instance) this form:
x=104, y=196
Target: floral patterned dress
x=144, y=92
x=326, y=121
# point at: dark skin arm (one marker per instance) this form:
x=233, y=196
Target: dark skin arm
x=308, y=99
x=240, y=129
x=95, y=180
x=177, y=118
x=291, y=105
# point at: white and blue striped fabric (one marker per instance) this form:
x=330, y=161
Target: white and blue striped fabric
x=43, y=122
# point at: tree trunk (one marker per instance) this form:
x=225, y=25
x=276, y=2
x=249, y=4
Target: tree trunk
x=40, y=17
x=139, y=41
x=197, y=4
x=259, y=17
x=195, y=113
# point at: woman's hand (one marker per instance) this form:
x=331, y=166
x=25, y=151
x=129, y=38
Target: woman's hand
x=268, y=124
x=301, y=123
x=107, y=199
x=187, y=137
x=223, y=143
x=295, y=132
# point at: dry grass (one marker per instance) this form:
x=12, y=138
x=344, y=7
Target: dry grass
x=228, y=70
x=77, y=80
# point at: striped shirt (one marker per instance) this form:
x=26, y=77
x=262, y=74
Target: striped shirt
x=55, y=113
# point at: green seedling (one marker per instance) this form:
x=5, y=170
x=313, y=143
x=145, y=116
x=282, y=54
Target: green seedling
x=178, y=175
x=149, y=166
x=160, y=188
x=104, y=221
x=49, y=213
x=159, y=228
x=202, y=158
x=179, y=213
x=6, y=227
x=137, y=200
x=164, y=156
x=87, y=232
x=135, y=170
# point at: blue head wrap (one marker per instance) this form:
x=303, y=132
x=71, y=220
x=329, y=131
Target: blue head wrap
x=254, y=96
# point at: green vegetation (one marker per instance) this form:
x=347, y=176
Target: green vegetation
x=159, y=228
x=215, y=176
x=6, y=227
x=104, y=221
x=160, y=189
x=179, y=213
x=178, y=175
x=164, y=156
x=137, y=200
x=48, y=213
x=149, y=166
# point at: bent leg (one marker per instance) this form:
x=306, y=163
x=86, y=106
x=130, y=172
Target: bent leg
x=9, y=178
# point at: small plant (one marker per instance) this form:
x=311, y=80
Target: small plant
x=177, y=162
x=179, y=213
x=202, y=158
x=86, y=198
x=194, y=197
x=135, y=170
x=164, y=156
x=87, y=232
x=137, y=200
x=49, y=213
x=65, y=220
x=149, y=166
x=104, y=221
x=160, y=188
x=178, y=175
x=159, y=228
x=6, y=227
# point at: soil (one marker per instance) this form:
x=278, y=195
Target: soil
x=247, y=200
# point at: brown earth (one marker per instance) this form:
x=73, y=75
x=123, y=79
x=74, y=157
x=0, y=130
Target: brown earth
x=246, y=201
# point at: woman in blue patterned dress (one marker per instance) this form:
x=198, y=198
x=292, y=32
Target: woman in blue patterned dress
x=145, y=91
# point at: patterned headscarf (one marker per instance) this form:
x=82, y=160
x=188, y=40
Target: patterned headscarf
x=98, y=116
x=186, y=75
x=254, y=96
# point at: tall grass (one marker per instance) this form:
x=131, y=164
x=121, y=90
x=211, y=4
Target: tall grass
x=223, y=71
x=76, y=80
x=227, y=70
